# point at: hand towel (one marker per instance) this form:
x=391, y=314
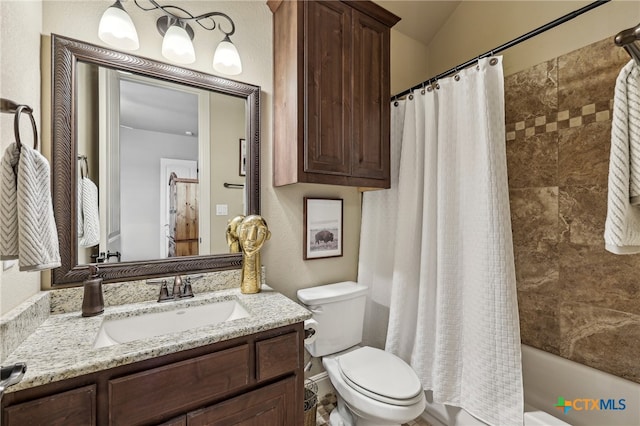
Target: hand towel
x=90, y=215
x=80, y=221
x=9, y=203
x=622, y=226
x=37, y=234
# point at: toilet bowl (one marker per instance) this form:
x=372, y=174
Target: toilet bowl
x=374, y=387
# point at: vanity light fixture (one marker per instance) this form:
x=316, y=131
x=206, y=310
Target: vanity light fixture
x=116, y=29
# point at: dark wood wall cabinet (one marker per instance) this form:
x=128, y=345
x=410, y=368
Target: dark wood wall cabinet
x=331, y=93
x=255, y=380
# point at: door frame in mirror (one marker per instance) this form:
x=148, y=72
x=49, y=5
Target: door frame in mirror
x=66, y=53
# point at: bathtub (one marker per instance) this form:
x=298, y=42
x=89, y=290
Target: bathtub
x=547, y=377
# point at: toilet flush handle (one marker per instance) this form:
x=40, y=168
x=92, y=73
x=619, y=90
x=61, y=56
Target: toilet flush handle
x=315, y=309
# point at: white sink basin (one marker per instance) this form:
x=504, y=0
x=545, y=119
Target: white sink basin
x=152, y=324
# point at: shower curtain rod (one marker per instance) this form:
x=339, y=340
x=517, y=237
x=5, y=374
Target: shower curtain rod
x=507, y=45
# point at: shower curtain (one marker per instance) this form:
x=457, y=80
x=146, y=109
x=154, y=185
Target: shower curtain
x=453, y=312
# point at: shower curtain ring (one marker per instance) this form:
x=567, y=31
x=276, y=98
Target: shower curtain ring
x=456, y=77
x=422, y=92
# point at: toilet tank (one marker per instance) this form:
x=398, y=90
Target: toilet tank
x=339, y=310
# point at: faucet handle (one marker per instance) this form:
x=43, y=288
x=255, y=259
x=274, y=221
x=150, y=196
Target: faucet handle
x=164, y=290
x=188, y=291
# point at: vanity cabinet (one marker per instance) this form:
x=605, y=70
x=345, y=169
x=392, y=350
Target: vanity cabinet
x=254, y=379
x=331, y=93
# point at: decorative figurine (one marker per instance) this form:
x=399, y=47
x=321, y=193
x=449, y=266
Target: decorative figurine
x=252, y=233
x=232, y=234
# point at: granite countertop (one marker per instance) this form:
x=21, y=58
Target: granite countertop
x=62, y=346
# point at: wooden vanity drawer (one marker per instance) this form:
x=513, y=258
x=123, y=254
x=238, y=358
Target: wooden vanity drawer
x=74, y=407
x=277, y=356
x=272, y=405
x=176, y=387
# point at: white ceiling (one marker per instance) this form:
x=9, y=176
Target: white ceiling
x=159, y=109
x=421, y=19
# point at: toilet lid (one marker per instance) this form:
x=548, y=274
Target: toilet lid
x=381, y=376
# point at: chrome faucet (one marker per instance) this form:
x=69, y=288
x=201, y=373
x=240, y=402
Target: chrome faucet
x=181, y=288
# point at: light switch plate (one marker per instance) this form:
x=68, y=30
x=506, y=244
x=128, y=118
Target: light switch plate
x=8, y=264
x=222, y=210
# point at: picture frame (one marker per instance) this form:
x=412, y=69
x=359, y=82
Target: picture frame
x=242, y=168
x=323, y=219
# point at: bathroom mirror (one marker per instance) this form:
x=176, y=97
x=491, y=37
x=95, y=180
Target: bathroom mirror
x=95, y=128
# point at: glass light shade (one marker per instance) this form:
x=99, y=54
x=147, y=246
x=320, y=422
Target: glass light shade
x=177, y=46
x=226, y=58
x=116, y=28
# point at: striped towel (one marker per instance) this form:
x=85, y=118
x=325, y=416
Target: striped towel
x=9, y=203
x=88, y=214
x=622, y=226
x=26, y=193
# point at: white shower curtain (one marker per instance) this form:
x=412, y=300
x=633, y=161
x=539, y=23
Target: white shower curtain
x=379, y=216
x=453, y=305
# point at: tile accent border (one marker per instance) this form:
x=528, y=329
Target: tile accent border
x=575, y=117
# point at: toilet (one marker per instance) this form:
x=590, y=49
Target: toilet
x=373, y=387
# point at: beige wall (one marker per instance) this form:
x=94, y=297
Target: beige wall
x=20, y=23
x=476, y=27
x=409, y=62
x=228, y=125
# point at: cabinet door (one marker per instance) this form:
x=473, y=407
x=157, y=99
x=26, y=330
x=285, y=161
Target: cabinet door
x=328, y=79
x=75, y=407
x=278, y=356
x=273, y=405
x=371, y=115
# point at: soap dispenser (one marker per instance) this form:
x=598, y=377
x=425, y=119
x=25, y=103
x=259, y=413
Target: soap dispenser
x=92, y=302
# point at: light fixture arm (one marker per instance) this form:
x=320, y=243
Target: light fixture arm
x=186, y=16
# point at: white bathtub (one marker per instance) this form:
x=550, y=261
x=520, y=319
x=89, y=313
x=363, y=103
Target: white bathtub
x=547, y=377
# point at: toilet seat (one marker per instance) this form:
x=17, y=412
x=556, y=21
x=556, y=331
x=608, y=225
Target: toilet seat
x=381, y=376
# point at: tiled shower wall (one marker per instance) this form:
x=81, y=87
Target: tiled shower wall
x=576, y=300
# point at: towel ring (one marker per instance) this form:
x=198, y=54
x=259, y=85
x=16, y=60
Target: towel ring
x=16, y=126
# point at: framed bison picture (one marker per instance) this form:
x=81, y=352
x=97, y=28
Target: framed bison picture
x=322, y=228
